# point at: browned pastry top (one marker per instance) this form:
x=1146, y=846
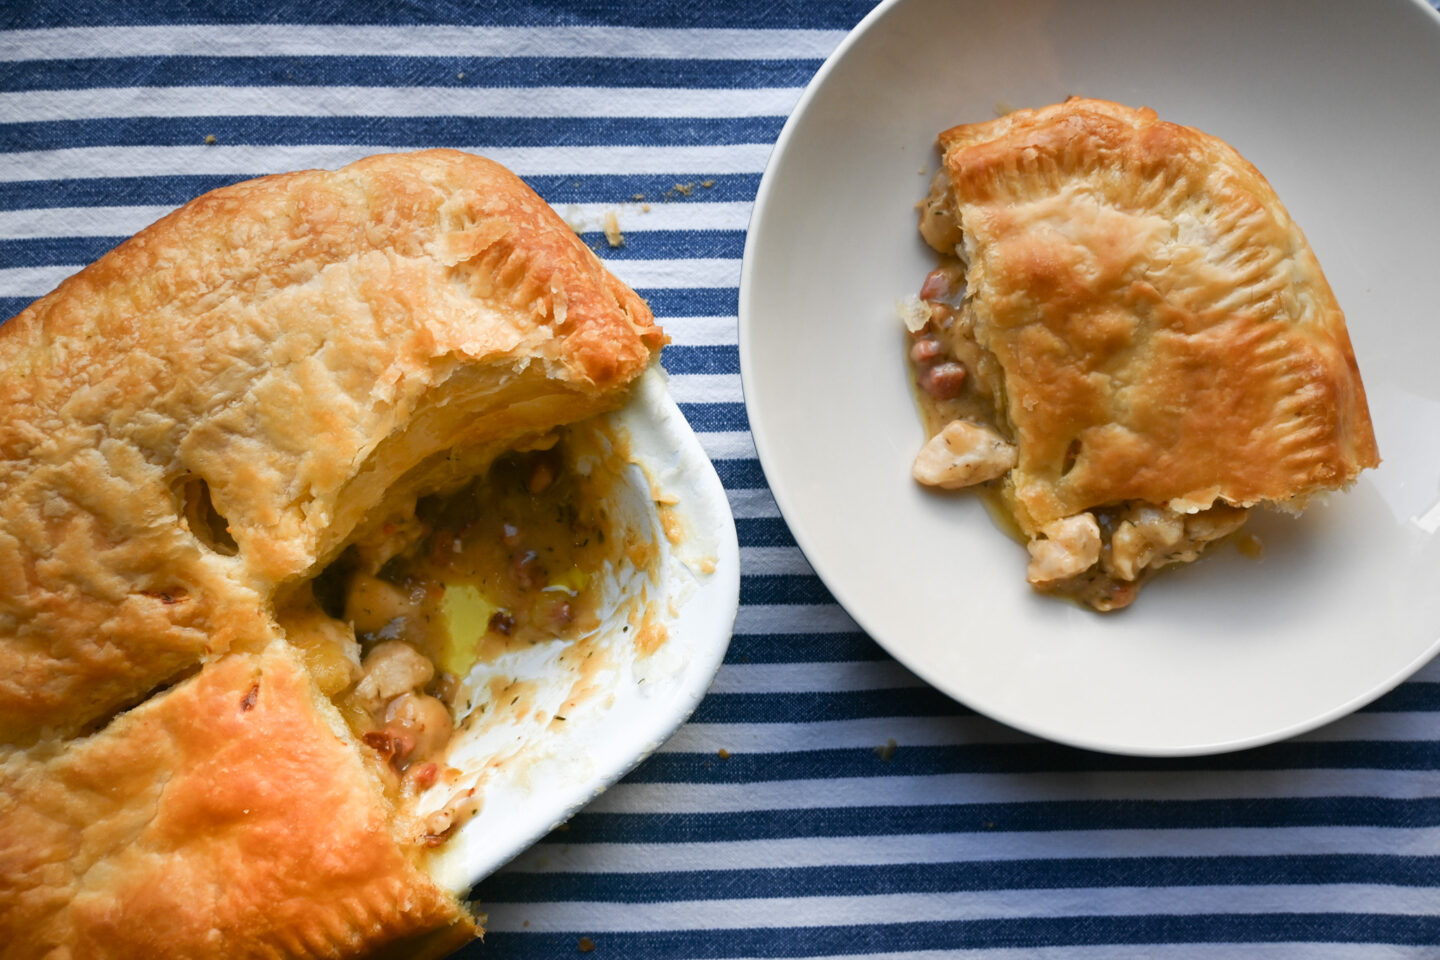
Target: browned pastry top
x=1165, y=332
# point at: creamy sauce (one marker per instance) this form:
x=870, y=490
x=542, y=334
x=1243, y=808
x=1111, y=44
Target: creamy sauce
x=514, y=562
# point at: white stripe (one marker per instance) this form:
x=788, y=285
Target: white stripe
x=802, y=912
x=635, y=216
x=812, y=677
x=961, y=847
x=702, y=331
x=32, y=281
x=222, y=160
x=865, y=733
x=292, y=101
x=416, y=41
x=773, y=560
x=1430, y=672
x=756, y=503
x=794, y=618
x=1400, y=726
x=729, y=445
x=698, y=387
x=1008, y=788
x=77, y=221
x=670, y=274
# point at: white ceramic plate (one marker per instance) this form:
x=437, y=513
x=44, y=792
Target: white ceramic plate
x=1338, y=104
x=533, y=774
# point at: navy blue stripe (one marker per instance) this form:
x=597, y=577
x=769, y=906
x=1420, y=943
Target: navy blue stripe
x=737, y=474
x=110, y=191
x=783, y=588
x=764, y=532
x=54, y=251
x=1416, y=695
x=174, y=190
x=442, y=131
x=693, y=302
x=1026, y=817
x=905, y=878
x=720, y=417
x=819, y=706
x=907, y=761
x=33, y=14
x=642, y=244
x=9, y=306
x=408, y=71
x=791, y=707
x=703, y=359
x=639, y=245
x=802, y=648
x=987, y=934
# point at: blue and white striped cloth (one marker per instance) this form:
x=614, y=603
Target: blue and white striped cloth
x=777, y=823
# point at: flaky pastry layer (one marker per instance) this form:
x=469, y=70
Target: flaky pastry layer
x=1164, y=330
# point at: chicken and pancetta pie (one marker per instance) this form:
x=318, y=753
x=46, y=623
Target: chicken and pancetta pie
x=252, y=462
x=1128, y=340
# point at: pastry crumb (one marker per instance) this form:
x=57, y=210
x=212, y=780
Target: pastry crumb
x=1250, y=545
x=585, y=945
x=613, y=236
x=886, y=751
x=209, y=138
x=723, y=754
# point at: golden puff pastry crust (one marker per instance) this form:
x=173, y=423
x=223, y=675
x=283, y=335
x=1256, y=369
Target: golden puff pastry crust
x=1154, y=327
x=228, y=818
x=287, y=350
x=1150, y=301
x=190, y=429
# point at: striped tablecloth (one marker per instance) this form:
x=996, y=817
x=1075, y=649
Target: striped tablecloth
x=822, y=802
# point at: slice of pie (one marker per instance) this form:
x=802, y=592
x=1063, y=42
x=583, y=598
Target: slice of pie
x=238, y=497
x=1128, y=341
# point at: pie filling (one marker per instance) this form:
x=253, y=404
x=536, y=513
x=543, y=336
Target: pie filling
x=520, y=559
x=1099, y=557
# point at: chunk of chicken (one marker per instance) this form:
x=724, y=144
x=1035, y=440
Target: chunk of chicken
x=962, y=455
x=392, y=668
x=1147, y=532
x=1153, y=537
x=1071, y=546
